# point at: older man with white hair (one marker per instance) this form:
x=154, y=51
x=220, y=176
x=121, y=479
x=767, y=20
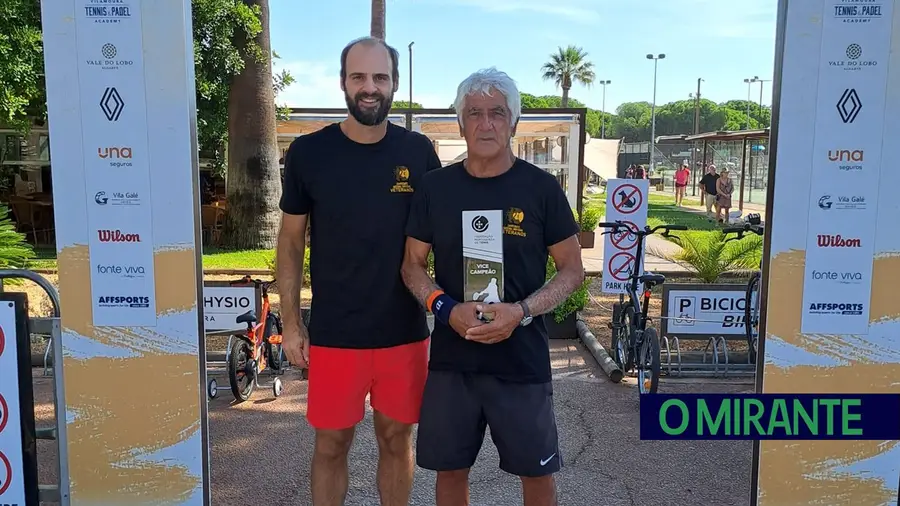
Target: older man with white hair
x=490, y=363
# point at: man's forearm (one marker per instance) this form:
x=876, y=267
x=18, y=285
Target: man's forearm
x=289, y=271
x=419, y=282
x=554, y=292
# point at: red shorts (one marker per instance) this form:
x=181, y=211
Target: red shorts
x=340, y=379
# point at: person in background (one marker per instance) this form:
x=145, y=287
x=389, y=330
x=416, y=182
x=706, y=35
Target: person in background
x=629, y=172
x=640, y=172
x=367, y=336
x=709, y=191
x=681, y=181
x=493, y=374
x=724, y=189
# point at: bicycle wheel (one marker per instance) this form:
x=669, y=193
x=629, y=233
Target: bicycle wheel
x=623, y=328
x=751, y=315
x=241, y=370
x=274, y=353
x=649, y=368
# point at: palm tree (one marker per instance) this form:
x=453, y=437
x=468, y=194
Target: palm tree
x=254, y=176
x=708, y=256
x=568, y=66
x=378, y=19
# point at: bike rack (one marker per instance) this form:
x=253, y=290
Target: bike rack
x=714, y=360
x=51, y=329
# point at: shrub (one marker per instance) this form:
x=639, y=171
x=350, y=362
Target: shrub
x=574, y=302
x=14, y=251
x=708, y=256
x=590, y=218
x=306, y=279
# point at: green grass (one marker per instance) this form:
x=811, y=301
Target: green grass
x=212, y=259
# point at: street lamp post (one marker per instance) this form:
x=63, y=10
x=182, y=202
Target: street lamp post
x=603, y=109
x=761, y=81
x=655, y=59
x=410, y=73
x=755, y=79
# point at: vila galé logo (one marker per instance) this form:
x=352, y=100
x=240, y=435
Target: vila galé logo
x=837, y=241
x=117, y=236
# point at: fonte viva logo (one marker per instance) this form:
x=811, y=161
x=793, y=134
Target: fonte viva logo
x=837, y=241
x=117, y=236
x=122, y=270
x=843, y=277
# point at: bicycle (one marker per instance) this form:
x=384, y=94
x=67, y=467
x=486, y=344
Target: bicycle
x=751, y=297
x=633, y=335
x=258, y=349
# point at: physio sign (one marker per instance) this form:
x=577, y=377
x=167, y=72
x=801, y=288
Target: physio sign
x=872, y=417
x=710, y=310
x=223, y=303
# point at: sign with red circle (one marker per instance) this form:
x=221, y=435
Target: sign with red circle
x=620, y=265
x=2, y=341
x=625, y=240
x=628, y=198
x=4, y=413
x=5, y=474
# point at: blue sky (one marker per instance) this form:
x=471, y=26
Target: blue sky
x=721, y=41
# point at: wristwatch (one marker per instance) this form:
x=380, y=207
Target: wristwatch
x=526, y=319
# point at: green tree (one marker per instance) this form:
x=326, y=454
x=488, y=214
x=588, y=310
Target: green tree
x=22, y=91
x=567, y=67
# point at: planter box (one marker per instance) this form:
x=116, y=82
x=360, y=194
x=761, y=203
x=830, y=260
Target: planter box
x=564, y=330
x=586, y=239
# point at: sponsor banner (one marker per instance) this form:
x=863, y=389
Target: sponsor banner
x=846, y=161
x=121, y=102
x=829, y=312
x=626, y=201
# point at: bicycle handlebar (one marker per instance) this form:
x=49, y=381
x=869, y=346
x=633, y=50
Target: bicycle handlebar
x=615, y=226
x=247, y=280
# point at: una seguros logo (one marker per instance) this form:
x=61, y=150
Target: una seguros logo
x=847, y=159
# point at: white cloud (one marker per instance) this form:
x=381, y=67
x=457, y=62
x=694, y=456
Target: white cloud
x=318, y=85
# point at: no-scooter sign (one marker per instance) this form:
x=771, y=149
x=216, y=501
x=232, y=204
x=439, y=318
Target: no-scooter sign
x=620, y=265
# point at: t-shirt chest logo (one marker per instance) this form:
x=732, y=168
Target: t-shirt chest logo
x=401, y=175
x=514, y=219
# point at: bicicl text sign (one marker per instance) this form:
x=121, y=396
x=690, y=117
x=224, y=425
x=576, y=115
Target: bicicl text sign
x=703, y=310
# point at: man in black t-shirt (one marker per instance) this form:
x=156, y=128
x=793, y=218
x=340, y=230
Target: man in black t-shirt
x=354, y=181
x=494, y=374
x=708, y=183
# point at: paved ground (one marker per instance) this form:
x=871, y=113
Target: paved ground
x=605, y=461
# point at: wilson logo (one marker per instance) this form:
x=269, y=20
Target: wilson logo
x=836, y=241
x=117, y=236
x=114, y=153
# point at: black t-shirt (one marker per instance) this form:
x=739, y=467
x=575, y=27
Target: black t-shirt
x=536, y=215
x=358, y=198
x=709, y=183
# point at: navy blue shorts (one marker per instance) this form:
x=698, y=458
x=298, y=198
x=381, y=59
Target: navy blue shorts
x=457, y=407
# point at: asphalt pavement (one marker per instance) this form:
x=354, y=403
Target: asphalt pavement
x=261, y=449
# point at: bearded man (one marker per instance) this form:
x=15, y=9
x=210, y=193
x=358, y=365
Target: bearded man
x=367, y=336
